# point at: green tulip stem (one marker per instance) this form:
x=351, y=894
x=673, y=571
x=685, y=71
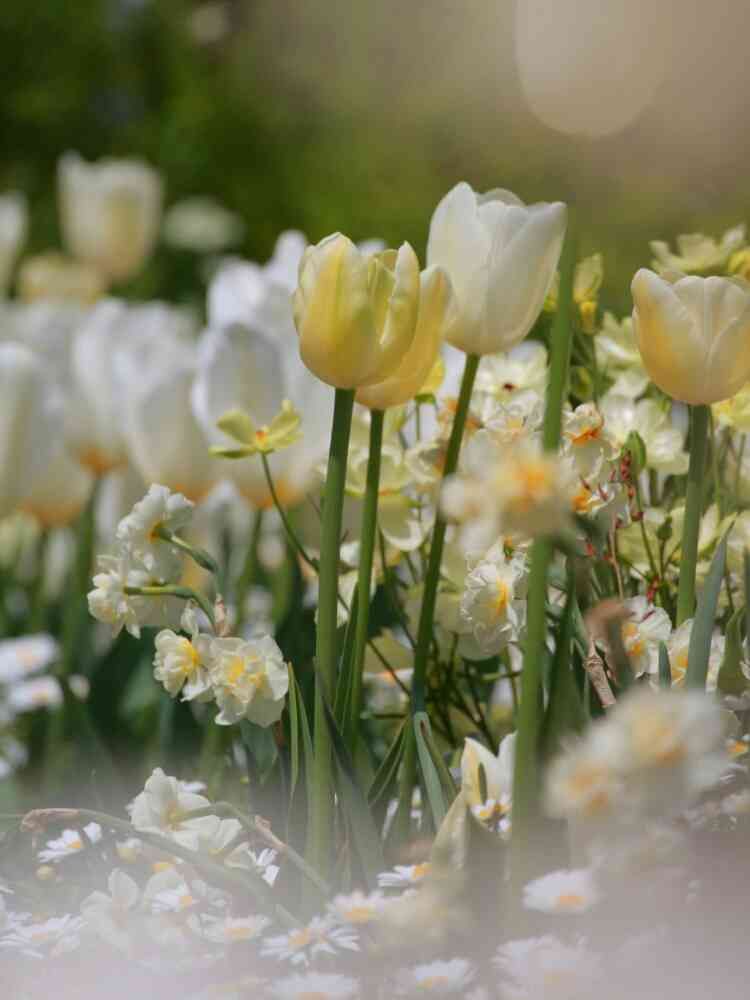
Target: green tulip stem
x=526, y=774
x=699, y=417
x=366, y=554
x=429, y=598
x=320, y=834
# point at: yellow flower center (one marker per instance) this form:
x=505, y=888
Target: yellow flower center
x=570, y=901
x=502, y=595
x=240, y=932
x=300, y=939
x=737, y=748
x=185, y=900
x=587, y=435
x=75, y=845
x=433, y=982
x=633, y=640
x=192, y=660
x=236, y=669
x=654, y=739
x=533, y=482
x=358, y=914
x=420, y=871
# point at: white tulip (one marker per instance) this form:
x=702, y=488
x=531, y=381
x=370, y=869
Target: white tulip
x=501, y=257
x=110, y=212
x=693, y=334
x=13, y=228
x=30, y=424
x=61, y=491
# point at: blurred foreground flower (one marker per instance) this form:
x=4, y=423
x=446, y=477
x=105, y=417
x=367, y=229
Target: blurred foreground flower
x=202, y=225
x=13, y=228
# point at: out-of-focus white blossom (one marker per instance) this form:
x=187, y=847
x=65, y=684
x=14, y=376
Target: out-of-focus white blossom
x=203, y=225
x=70, y=842
x=572, y=891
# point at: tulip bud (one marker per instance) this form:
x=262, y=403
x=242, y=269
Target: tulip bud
x=693, y=334
x=110, y=213
x=355, y=314
x=501, y=257
x=437, y=314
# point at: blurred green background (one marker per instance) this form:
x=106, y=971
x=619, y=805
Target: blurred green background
x=343, y=114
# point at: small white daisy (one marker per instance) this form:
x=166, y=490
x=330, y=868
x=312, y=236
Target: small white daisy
x=70, y=842
x=565, y=891
x=319, y=936
x=439, y=978
x=404, y=876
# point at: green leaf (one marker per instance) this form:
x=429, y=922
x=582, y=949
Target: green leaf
x=438, y=782
x=746, y=575
x=341, y=706
x=354, y=803
x=731, y=680
x=386, y=773
x=665, y=668
x=565, y=713
x=300, y=727
x=261, y=746
x=699, y=649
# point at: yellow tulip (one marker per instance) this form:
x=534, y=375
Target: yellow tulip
x=356, y=314
x=436, y=315
x=693, y=334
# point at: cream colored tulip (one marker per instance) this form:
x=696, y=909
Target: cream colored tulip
x=356, y=314
x=437, y=314
x=110, y=213
x=501, y=257
x=693, y=334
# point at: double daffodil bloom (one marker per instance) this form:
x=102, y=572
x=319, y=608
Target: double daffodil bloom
x=437, y=314
x=356, y=314
x=693, y=334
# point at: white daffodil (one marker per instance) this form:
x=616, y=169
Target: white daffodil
x=321, y=936
x=203, y=225
x=30, y=424
x=487, y=782
x=27, y=655
x=70, y=842
x=439, y=978
x=617, y=355
x=138, y=532
x=109, y=603
x=544, y=966
x=164, y=807
x=182, y=665
x=665, y=442
x=646, y=628
x=110, y=212
x=13, y=229
x=108, y=914
x=522, y=368
x=566, y=892
x=317, y=985
x=696, y=253
x=586, y=439
x=250, y=680
x=677, y=648
x=492, y=603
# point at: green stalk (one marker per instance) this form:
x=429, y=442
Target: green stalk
x=699, y=416
x=366, y=553
x=526, y=774
x=320, y=835
x=429, y=598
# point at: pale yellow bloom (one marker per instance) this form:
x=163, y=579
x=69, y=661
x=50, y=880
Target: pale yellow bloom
x=356, y=314
x=437, y=313
x=696, y=253
x=735, y=411
x=693, y=334
x=282, y=432
x=587, y=280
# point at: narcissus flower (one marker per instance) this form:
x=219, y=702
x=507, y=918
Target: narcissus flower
x=110, y=213
x=250, y=680
x=182, y=664
x=696, y=253
x=282, y=432
x=501, y=257
x=139, y=532
x=356, y=314
x=693, y=334
x=437, y=314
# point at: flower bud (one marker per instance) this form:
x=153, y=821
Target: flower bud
x=501, y=257
x=355, y=314
x=693, y=334
x=437, y=313
x=110, y=213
